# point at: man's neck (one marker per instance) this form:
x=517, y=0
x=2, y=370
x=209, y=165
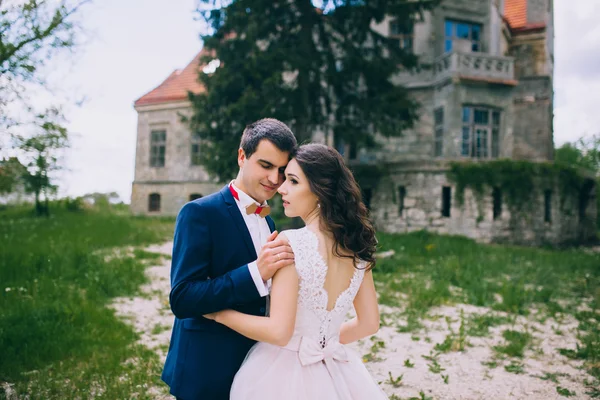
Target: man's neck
x=238, y=184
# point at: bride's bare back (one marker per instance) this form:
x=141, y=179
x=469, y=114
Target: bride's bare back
x=340, y=270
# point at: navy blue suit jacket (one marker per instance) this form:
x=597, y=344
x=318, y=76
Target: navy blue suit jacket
x=211, y=251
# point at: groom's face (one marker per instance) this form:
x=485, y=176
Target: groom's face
x=262, y=173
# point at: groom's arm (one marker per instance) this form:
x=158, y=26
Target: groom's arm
x=193, y=292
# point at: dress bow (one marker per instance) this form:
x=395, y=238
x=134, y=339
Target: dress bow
x=311, y=352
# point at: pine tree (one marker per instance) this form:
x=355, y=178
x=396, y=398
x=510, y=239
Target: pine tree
x=312, y=67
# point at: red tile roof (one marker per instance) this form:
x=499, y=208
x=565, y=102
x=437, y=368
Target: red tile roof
x=176, y=86
x=515, y=12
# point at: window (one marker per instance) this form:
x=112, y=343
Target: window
x=446, y=201
x=438, y=116
x=158, y=142
x=154, y=202
x=401, y=196
x=346, y=150
x=462, y=36
x=480, y=132
x=585, y=197
x=497, y=200
x=340, y=146
x=547, y=206
x=353, y=151
x=195, y=196
x=366, y=195
x=402, y=34
x=495, y=134
x=195, y=154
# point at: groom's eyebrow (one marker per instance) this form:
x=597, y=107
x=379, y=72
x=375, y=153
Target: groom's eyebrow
x=269, y=164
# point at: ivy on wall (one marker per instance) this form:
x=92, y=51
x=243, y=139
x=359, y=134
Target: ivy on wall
x=519, y=181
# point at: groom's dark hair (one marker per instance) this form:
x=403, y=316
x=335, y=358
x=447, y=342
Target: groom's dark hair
x=272, y=130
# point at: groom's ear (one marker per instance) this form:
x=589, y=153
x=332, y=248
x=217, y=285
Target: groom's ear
x=241, y=157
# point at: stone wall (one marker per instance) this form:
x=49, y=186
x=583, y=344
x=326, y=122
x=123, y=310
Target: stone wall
x=178, y=166
x=532, y=54
x=178, y=179
x=173, y=195
x=533, y=121
x=537, y=10
x=422, y=210
x=416, y=143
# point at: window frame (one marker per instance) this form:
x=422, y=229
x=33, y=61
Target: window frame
x=194, y=196
x=474, y=145
x=450, y=39
x=154, y=202
x=446, y=201
x=158, y=148
x=496, y=203
x=195, y=142
x=438, y=129
x=401, y=198
x=406, y=38
x=548, y=206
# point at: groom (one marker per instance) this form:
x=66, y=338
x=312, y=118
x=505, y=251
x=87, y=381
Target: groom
x=225, y=252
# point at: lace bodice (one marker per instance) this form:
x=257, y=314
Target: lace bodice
x=312, y=318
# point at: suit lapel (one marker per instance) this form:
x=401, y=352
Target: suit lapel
x=271, y=223
x=238, y=220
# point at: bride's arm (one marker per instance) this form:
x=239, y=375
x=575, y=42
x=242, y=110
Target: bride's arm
x=366, y=322
x=276, y=329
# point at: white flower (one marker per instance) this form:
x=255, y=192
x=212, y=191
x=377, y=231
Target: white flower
x=7, y=289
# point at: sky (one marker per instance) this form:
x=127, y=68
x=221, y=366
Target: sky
x=133, y=45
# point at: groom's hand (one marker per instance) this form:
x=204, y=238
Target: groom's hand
x=275, y=254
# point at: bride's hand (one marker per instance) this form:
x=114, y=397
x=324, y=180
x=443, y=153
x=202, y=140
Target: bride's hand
x=212, y=316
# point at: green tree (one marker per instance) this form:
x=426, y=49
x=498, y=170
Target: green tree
x=11, y=174
x=316, y=68
x=31, y=33
x=42, y=149
x=583, y=153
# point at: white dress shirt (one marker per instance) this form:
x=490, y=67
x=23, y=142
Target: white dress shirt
x=259, y=231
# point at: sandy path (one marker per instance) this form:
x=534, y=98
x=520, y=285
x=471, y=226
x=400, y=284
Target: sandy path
x=455, y=375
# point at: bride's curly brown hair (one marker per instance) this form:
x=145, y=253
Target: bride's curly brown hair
x=342, y=210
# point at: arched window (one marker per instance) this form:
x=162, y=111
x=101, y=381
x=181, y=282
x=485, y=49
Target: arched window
x=195, y=196
x=154, y=202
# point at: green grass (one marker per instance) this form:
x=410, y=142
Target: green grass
x=373, y=354
x=429, y=270
x=57, y=274
x=479, y=325
x=516, y=343
x=515, y=368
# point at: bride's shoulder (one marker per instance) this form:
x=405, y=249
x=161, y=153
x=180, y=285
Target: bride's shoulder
x=290, y=234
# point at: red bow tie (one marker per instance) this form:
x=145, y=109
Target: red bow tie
x=262, y=211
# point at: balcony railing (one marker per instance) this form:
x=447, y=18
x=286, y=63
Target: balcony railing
x=474, y=65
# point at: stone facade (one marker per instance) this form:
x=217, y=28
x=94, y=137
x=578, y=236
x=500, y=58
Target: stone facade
x=178, y=180
x=410, y=197
x=501, y=63
x=485, y=88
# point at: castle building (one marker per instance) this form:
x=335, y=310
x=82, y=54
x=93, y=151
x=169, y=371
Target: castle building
x=485, y=85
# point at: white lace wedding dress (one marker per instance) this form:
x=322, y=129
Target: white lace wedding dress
x=313, y=365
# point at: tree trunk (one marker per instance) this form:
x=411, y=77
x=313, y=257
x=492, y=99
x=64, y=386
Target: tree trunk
x=38, y=205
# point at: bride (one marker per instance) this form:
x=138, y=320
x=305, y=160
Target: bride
x=301, y=352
